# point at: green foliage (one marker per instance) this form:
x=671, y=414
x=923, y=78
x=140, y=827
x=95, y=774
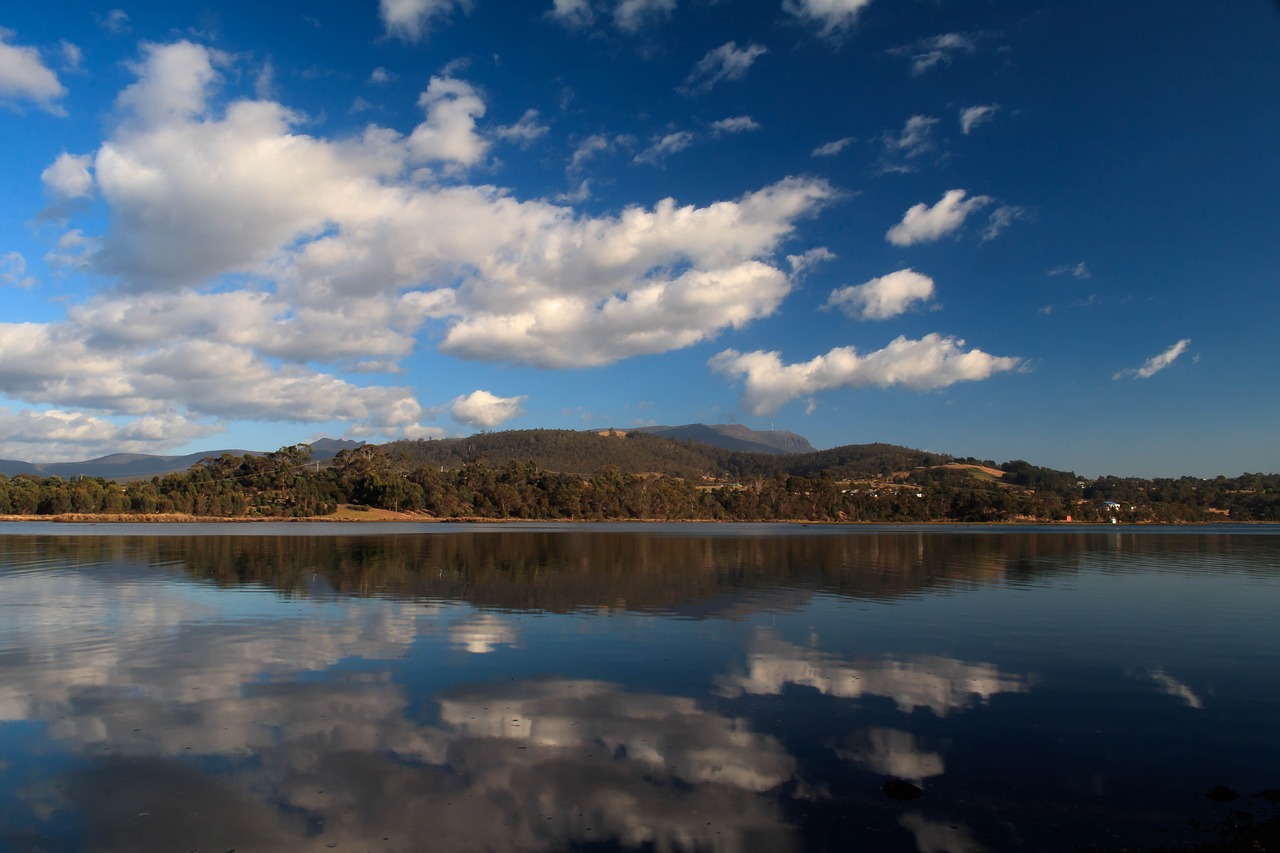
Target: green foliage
x=571, y=476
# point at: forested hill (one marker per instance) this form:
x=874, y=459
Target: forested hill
x=587, y=453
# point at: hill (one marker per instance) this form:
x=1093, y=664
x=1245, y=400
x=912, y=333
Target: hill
x=734, y=437
x=587, y=453
x=142, y=466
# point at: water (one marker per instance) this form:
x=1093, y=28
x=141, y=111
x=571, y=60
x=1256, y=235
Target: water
x=653, y=687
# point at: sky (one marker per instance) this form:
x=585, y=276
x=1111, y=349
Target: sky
x=1044, y=230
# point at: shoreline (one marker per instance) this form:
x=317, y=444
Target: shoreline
x=379, y=516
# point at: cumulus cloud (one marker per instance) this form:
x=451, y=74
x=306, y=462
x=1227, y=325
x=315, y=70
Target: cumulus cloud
x=449, y=132
x=25, y=77
x=902, y=151
x=971, y=117
x=381, y=75
x=883, y=297
x=832, y=148
x=833, y=17
x=726, y=62
x=238, y=241
x=68, y=176
x=13, y=271
x=928, y=363
x=174, y=82
x=55, y=435
x=929, y=53
x=483, y=410
x=523, y=132
x=924, y=224
x=1156, y=363
x=735, y=124
x=410, y=19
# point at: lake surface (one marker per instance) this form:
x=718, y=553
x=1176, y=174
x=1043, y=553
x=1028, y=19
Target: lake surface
x=274, y=687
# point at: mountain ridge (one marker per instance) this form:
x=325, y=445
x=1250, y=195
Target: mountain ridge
x=138, y=466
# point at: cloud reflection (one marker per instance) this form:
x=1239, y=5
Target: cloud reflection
x=892, y=752
x=940, y=684
x=182, y=721
x=483, y=634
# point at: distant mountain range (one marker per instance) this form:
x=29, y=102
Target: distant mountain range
x=734, y=437
x=141, y=466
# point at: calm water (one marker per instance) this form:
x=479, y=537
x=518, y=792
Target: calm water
x=663, y=687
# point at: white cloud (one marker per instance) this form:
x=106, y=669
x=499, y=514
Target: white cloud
x=883, y=297
x=1079, y=270
x=116, y=21
x=483, y=410
x=665, y=146
x=409, y=19
x=726, y=62
x=1004, y=216
x=632, y=15
x=68, y=176
x=449, y=133
x=830, y=149
x=588, y=148
x=25, y=77
x=56, y=435
x=526, y=130
x=253, y=263
x=174, y=82
x=900, y=151
x=971, y=117
x=802, y=263
x=929, y=53
x=575, y=14
x=1156, y=363
x=13, y=271
x=72, y=55
x=735, y=124
x=381, y=75
x=931, y=362
x=923, y=224
x=833, y=16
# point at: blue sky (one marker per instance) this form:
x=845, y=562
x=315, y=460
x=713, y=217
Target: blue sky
x=1041, y=230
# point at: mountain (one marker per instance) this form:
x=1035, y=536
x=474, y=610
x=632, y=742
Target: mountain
x=734, y=437
x=142, y=466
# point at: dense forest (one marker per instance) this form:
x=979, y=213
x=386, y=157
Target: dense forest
x=565, y=475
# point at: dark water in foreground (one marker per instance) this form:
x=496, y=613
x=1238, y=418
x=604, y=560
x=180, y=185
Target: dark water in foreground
x=652, y=687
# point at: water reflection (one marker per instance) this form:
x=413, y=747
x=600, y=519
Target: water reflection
x=938, y=683
x=546, y=692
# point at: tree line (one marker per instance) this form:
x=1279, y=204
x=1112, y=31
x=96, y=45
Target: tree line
x=860, y=483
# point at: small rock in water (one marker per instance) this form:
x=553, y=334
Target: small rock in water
x=901, y=789
x=1221, y=794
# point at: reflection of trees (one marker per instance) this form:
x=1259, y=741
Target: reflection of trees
x=565, y=570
